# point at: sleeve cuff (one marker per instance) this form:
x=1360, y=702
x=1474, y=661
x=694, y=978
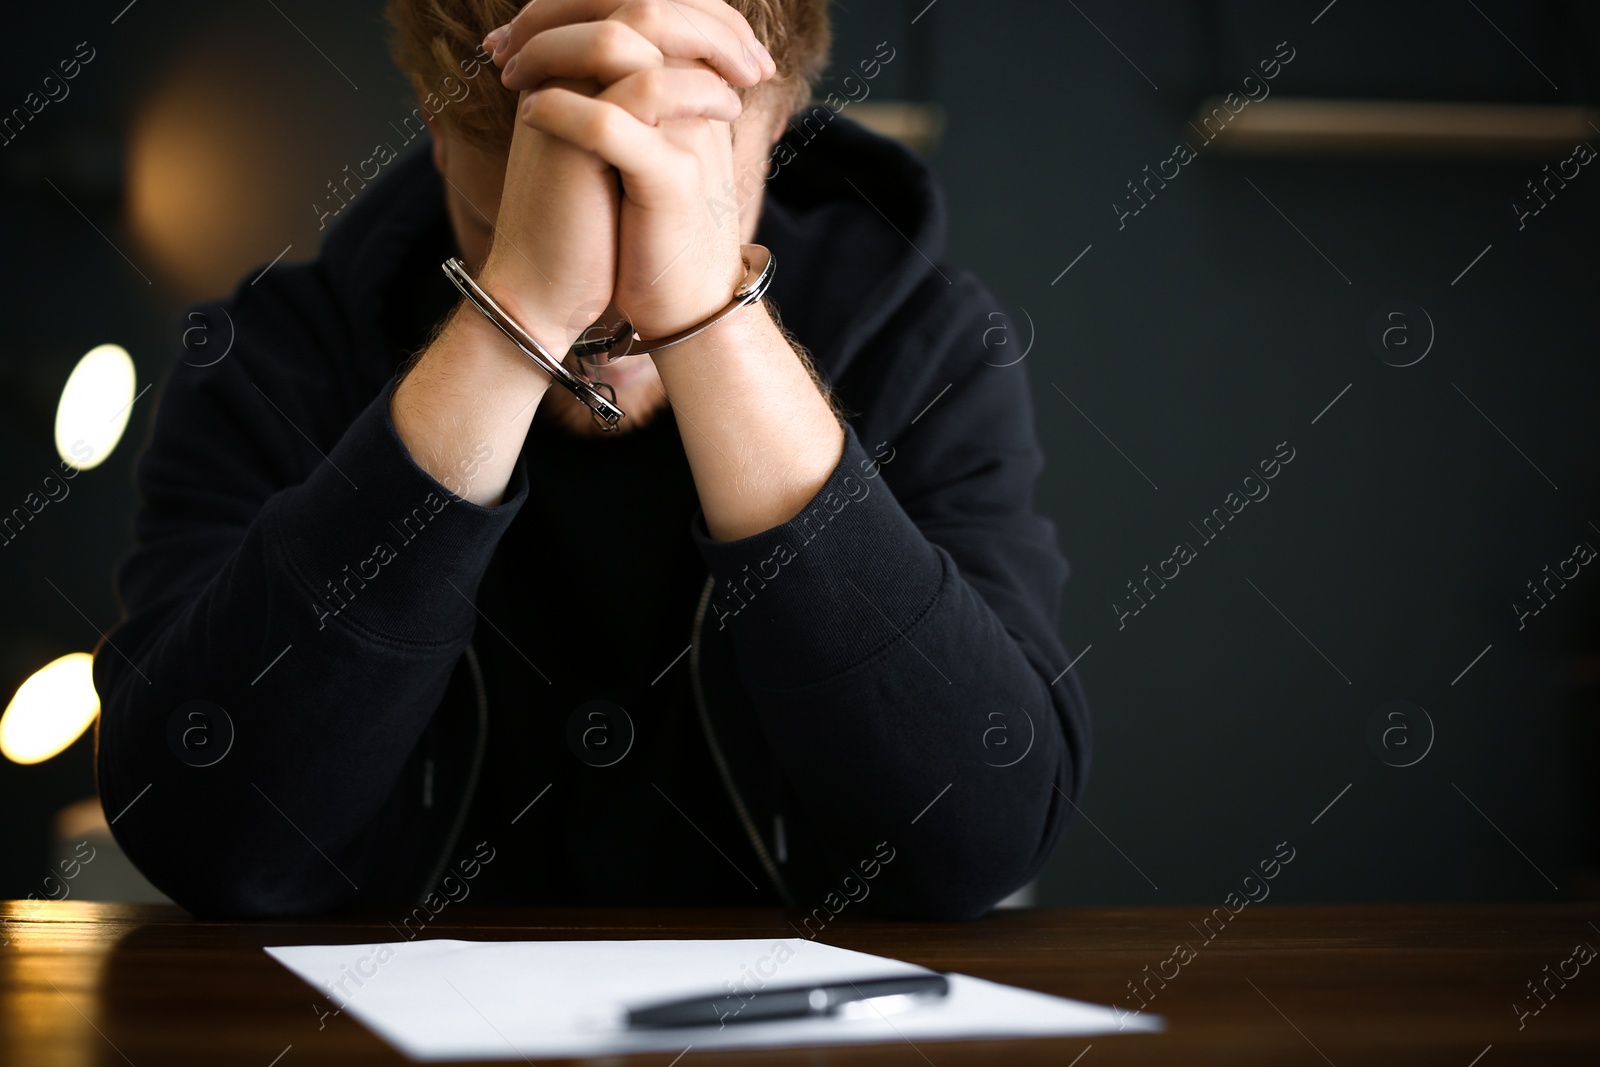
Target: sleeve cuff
x=378, y=543
x=813, y=597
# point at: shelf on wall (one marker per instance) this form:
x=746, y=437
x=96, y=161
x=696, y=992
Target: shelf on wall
x=1394, y=128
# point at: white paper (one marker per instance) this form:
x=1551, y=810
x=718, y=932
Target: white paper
x=443, y=999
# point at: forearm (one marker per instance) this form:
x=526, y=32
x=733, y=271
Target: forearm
x=306, y=758
x=326, y=629
x=883, y=672
x=760, y=437
x=468, y=402
x=949, y=743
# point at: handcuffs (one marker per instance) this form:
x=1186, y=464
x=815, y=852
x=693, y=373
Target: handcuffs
x=600, y=397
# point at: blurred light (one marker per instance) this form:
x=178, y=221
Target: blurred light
x=184, y=187
x=95, y=405
x=228, y=150
x=51, y=710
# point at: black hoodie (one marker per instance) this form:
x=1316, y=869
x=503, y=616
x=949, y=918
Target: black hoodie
x=327, y=688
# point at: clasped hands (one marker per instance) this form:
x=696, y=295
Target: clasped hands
x=623, y=139
x=624, y=143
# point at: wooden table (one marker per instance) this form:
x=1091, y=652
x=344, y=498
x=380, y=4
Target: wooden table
x=108, y=984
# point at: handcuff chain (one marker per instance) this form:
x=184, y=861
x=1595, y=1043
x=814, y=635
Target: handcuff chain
x=760, y=267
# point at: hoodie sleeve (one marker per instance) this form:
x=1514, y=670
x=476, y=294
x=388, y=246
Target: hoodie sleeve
x=298, y=596
x=900, y=643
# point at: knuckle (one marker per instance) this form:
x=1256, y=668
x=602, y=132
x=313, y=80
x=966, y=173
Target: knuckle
x=732, y=12
x=626, y=95
x=611, y=37
x=708, y=83
x=656, y=82
x=601, y=125
x=646, y=16
x=523, y=22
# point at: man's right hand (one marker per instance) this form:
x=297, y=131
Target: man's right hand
x=553, y=259
x=464, y=409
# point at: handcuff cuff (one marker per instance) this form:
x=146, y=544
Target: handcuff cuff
x=600, y=397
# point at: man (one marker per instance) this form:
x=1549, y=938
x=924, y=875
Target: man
x=403, y=626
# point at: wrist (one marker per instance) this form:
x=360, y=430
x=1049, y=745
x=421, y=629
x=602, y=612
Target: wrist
x=487, y=356
x=735, y=343
x=697, y=302
x=554, y=326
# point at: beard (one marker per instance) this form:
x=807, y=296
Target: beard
x=641, y=397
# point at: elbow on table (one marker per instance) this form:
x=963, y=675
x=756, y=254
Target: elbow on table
x=255, y=899
x=960, y=875
x=202, y=835
x=958, y=885
x=947, y=895
x=216, y=871
x=253, y=895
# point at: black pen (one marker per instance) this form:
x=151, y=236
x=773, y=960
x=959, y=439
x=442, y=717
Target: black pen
x=789, y=1002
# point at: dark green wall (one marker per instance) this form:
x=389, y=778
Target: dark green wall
x=1196, y=337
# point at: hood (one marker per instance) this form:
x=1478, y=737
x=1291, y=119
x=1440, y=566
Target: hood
x=860, y=222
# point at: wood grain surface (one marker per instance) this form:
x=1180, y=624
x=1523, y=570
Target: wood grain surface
x=84, y=983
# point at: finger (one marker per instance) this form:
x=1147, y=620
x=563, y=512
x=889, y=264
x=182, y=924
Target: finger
x=684, y=31
x=537, y=16
x=662, y=95
x=720, y=9
x=716, y=24
x=603, y=51
x=598, y=126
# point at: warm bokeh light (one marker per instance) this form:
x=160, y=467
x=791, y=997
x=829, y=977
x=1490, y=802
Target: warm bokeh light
x=226, y=154
x=95, y=405
x=184, y=188
x=51, y=710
